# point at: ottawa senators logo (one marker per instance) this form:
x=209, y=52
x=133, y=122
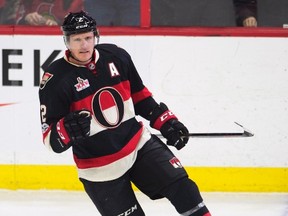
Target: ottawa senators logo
x=45, y=78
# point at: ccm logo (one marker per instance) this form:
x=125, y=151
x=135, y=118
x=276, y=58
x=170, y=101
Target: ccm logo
x=166, y=115
x=129, y=211
x=59, y=131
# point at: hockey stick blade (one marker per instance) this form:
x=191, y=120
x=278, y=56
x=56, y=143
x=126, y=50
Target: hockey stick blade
x=245, y=133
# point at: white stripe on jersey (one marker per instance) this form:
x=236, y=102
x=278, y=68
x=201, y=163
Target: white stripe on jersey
x=116, y=169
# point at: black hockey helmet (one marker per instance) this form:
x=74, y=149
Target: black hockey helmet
x=79, y=22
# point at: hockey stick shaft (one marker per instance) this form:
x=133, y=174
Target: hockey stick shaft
x=245, y=133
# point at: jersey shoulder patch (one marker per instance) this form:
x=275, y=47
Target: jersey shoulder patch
x=45, y=78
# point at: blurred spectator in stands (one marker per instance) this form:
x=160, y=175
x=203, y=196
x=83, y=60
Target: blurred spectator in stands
x=246, y=12
x=114, y=12
x=8, y=11
x=46, y=12
x=2, y=4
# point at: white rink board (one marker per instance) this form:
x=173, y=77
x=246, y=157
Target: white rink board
x=209, y=82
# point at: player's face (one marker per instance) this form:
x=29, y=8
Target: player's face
x=81, y=47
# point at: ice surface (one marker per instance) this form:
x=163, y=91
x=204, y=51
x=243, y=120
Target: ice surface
x=72, y=203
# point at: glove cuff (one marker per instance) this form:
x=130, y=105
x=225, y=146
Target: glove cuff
x=162, y=119
x=160, y=115
x=61, y=130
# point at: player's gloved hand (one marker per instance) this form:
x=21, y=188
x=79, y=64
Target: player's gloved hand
x=173, y=130
x=175, y=133
x=77, y=125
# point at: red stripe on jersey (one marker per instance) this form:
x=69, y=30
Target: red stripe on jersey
x=141, y=95
x=123, y=88
x=207, y=214
x=107, y=159
x=82, y=104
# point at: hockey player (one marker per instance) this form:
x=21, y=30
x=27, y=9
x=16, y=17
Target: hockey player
x=88, y=101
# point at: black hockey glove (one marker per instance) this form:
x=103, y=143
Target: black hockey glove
x=175, y=133
x=77, y=125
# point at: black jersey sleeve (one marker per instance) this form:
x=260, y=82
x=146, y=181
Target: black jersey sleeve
x=54, y=105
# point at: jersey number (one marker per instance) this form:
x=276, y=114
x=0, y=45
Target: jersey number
x=43, y=111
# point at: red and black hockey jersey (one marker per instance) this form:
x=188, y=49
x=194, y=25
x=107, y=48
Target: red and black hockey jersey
x=112, y=90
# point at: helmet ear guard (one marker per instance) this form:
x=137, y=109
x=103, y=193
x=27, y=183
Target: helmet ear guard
x=80, y=22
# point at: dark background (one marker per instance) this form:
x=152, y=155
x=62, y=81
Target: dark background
x=272, y=13
x=174, y=13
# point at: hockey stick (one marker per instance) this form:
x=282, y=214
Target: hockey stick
x=245, y=133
